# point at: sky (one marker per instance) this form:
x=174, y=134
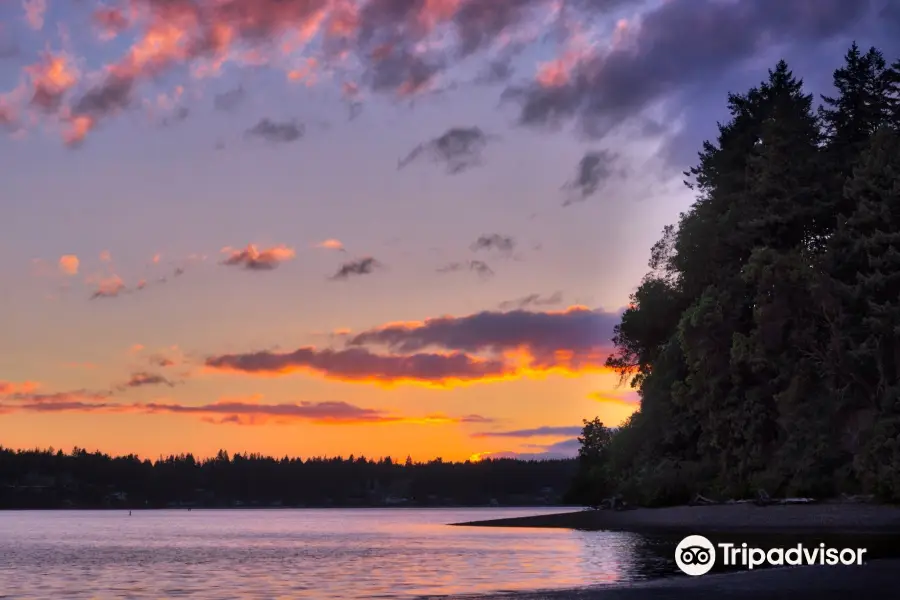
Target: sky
x=370, y=227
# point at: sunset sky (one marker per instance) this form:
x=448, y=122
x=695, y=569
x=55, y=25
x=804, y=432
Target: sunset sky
x=379, y=227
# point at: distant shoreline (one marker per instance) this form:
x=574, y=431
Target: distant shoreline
x=872, y=581
x=360, y=507
x=722, y=518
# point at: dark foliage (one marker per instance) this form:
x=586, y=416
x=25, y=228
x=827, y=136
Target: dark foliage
x=79, y=479
x=765, y=341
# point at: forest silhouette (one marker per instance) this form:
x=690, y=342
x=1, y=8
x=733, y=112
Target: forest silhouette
x=765, y=340
x=81, y=479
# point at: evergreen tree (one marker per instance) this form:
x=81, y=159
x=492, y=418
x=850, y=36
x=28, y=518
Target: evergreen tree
x=765, y=341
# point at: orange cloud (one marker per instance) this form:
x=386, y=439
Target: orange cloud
x=401, y=48
x=68, y=264
x=304, y=73
x=108, y=287
x=630, y=398
x=331, y=244
x=105, y=256
x=51, y=78
x=241, y=411
x=24, y=387
x=480, y=348
x=575, y=337
x=361, y=366
x=258, y=260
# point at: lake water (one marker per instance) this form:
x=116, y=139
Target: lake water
x=321, y=554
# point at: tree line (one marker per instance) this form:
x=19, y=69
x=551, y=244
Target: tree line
x=81, y=479
x=765, y=340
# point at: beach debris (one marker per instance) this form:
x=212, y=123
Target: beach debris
x=857, y=498
x=700, y=500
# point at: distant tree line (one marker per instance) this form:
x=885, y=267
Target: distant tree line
x=81, y=479
x=765, y=341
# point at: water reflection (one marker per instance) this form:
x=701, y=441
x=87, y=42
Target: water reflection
x=322, y=554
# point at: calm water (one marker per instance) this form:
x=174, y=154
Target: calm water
x=322, y=554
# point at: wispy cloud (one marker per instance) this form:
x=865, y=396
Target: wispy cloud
x=545, y=431
x=277, y=132
x=594, y=169
x=362, y=266
x=494, y=241
x=230, y=100
x=535, y=300
x=479, y=267
x=459, y=149
x=239, y=411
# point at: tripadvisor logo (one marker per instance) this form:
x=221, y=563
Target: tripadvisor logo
x=696, y=555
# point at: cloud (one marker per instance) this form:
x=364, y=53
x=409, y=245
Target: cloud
x=459, y=148
x=559, y=450
x=593, y=170
x=251, y=412
x=108, y=287
x=35, y=10
x=530, y=300
x=158, y=360
x=51, y=78
x=248, y=411
x=401, y=48
x=628, y=398
x=577, y=337
x=404, y=48
x=494, y=241
x=254, y=259
x=361, y=365
x=178, y=115
x=484, y=347
x=277, y=133
x=678, y=44
x=331, y=244
x=478, y=267
x=29, y=400
x=110, y=22
x=545, y=431
x=230, y=100
x=23, y=387
x=143, y=379
x=68, y=264
x=362, y=266
x=496, y=71
x=105, y=256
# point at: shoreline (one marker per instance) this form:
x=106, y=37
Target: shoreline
x=874, y=580
x=360, y=507
x=868, y=519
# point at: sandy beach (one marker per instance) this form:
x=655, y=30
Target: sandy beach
x=843, y=519
x=873, y=581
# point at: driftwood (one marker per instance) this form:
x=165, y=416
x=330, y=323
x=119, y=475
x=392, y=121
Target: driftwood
x=703, y=501
x=762, y=499
x=611, y=503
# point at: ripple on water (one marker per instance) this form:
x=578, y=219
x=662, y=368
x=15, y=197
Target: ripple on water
x=322, y=554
